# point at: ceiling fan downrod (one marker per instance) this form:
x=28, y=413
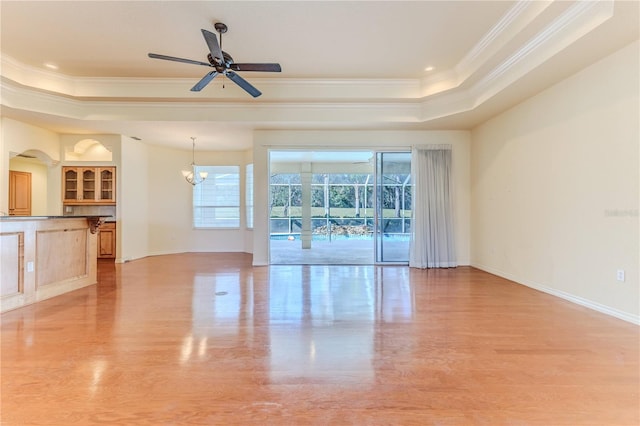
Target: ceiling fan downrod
x=221, y=28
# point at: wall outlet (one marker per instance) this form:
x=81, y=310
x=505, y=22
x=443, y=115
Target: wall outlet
x=620, y=275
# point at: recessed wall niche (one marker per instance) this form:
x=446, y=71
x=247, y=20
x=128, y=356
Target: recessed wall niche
x=88, y=150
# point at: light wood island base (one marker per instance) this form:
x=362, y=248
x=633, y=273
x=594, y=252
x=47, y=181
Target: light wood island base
x=43, y=257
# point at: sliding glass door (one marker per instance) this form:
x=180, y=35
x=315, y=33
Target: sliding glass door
x=393, y=207
x=339, y=207
x=321, y=207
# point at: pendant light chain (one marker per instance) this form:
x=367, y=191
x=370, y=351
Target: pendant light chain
x=193, y=151
x=190, y=175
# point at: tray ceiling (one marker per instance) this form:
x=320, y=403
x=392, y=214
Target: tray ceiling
x=346, y=65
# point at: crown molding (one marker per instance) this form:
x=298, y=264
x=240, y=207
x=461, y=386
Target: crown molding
x=506, y=29
x=179, y=88
x=247, y=111
x=35, y=77
x=578, y=20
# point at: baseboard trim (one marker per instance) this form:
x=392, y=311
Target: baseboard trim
x=166, y=253
x=625, y=316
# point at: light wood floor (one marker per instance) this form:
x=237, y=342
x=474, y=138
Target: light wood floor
x=205, y=339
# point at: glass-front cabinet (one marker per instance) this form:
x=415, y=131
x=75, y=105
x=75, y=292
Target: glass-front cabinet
x=107, y=178
x=70, y=184
x=88, y=185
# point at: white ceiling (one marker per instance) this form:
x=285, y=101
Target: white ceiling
x=346, y=65
x=315, y=39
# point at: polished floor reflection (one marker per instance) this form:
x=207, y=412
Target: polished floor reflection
x=206, y=339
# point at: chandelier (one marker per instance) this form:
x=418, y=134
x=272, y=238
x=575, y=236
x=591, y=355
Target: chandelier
x=190, y=175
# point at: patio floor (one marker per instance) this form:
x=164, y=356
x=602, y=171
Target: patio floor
x=339, y=252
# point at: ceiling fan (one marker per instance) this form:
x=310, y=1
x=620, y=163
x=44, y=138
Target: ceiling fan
x=222, y=63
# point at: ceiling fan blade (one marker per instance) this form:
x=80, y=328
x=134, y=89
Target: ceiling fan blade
x=204, y=81
x=212, y=43
x=256, y=67
x=243, y=83
x=173, y=58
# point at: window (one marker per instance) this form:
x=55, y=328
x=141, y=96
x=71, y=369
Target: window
x=249, y=195
x=216, y=201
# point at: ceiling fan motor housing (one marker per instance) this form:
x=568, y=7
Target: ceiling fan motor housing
x=228, y=60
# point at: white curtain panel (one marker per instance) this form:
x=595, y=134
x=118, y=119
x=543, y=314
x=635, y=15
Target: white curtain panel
x=432, y=238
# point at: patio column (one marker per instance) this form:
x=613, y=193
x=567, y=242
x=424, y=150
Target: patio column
x=305, y=182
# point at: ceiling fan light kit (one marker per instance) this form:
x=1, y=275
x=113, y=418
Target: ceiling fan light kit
x=222, y=63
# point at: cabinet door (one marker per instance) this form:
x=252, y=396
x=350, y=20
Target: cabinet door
x=89, y=185
x=107, y=184
x=70, y=184
x=107, y=241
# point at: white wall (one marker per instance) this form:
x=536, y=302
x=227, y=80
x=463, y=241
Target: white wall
x=133, y=201
x=345, y=140
x=555, y=186
x=170, y=208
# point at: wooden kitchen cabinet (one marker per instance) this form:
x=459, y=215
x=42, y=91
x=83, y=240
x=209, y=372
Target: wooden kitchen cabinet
x=89, y=185
x=107, y=241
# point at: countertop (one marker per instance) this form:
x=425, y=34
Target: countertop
x=87, y=216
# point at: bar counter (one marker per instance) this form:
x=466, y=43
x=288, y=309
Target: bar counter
x=45, y=256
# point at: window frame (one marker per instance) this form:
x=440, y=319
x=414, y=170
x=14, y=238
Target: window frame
x=198, y=203
x=248, y=196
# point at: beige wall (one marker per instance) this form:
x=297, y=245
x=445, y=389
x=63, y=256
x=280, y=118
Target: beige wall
x=95, y=154
x=349, y=140
x=555, y=188
x=17, y=137
x=170, y=219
